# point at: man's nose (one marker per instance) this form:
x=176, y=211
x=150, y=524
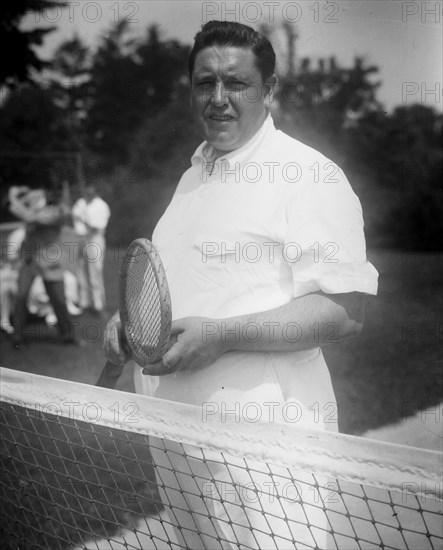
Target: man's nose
x=219, y=95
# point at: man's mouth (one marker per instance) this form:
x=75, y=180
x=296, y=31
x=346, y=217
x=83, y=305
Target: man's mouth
x=220, y=118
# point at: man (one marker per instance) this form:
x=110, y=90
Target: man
x=264, y=265
x=91, y=215
x=40, y=255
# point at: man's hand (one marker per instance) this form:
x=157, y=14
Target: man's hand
x=191, y=348
x=112, y=342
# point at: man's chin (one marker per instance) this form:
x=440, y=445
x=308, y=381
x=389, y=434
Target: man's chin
x=221, y=143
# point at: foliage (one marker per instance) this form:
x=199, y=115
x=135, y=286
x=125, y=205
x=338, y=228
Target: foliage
x=319, y=104
x=136, y=80
x=146, y=184
x=402, y=153
x=18, y=67
x=70, y=81
x=36, y=139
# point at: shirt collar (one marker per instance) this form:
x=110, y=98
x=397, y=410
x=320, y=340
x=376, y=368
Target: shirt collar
x=238, y=156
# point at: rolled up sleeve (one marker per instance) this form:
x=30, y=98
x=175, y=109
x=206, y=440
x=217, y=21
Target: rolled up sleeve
x=325, y=243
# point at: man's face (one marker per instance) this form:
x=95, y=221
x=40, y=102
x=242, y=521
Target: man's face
x=228, y=96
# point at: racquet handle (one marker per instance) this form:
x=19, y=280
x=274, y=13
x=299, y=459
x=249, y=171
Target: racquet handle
x=110, y=375
x=111, y=371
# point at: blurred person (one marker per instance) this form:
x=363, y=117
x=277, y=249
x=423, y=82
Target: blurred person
x=40, y=254
x=303, y=286
x=9, y=269
x=39, y=304
x=90, y=216
x=8, y=293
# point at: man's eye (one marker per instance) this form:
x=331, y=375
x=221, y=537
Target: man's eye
x=235, y=85
x=205, y=87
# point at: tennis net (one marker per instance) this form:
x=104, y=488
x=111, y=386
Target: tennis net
x=88, y=467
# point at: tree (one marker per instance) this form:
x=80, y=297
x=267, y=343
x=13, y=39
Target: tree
x=161, y=150
x=36, y=142
x=112, y=93
x=18, y=67
x=135, y=79
x=402, y=154
x=318, y=104
x=69, y=82
x=47, y=132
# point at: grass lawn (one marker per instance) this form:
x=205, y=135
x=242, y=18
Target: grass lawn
x=394, y=368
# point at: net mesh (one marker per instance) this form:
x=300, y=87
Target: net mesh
x=86, y=467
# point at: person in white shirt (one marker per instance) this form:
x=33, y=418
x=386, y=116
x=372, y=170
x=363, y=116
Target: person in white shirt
x=90, y=216
x=265, y=264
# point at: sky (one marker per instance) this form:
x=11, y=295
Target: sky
x=402, y=38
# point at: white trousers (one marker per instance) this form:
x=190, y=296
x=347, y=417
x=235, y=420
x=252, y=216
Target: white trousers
x=90, y=273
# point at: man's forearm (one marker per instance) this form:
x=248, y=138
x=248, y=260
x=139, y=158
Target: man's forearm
x=307, y=322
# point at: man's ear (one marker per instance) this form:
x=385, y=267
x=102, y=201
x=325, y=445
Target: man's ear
x=269, y=86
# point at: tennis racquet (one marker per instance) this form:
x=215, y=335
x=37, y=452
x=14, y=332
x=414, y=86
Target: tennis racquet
x=145, y=312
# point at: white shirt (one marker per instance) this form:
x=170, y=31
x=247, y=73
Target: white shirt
x=95, y=213
x=276, y=220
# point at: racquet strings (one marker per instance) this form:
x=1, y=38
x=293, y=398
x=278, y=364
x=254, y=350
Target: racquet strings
x=143, y=302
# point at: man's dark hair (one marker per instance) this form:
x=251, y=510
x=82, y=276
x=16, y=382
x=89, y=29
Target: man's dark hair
x=230, y=34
